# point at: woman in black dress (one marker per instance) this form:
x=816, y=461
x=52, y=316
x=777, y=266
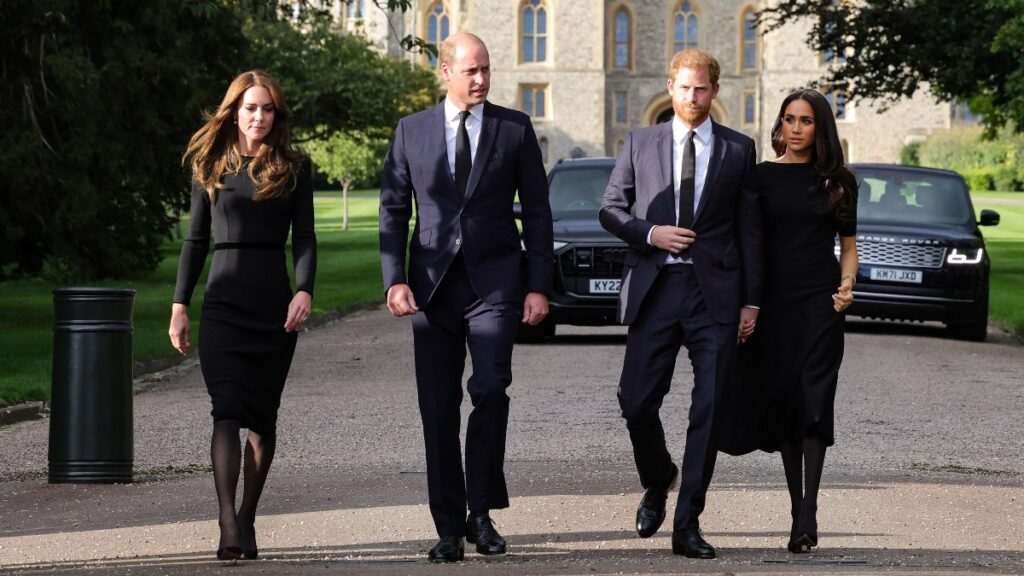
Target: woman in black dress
x=808, y=196
x=251, y=187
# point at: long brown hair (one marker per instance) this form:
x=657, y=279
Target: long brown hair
x=213, y=149
x=835, y=179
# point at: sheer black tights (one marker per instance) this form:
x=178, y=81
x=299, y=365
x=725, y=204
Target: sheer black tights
x=803, y=461
x=236, y=529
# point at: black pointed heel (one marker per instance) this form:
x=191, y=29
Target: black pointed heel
x=229, y=553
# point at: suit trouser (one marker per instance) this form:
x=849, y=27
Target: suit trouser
x=674, y=313
x=454, y=319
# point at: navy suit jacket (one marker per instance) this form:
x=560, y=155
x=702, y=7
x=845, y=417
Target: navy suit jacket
x=727, y=254
x=481, y=223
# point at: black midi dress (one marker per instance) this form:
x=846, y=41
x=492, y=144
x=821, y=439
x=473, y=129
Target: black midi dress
x=244, y=351
x=789, y=368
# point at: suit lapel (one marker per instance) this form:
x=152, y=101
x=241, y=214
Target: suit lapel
x=664, y=143
x=437, y=150
x=719, y=148
x=488, y=131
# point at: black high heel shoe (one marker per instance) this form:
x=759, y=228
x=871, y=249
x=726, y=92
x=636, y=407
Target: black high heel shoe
x=229, y=553
x=247, y=539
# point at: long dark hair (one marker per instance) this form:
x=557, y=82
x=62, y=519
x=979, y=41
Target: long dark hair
x=212, y=150
x=835, y=179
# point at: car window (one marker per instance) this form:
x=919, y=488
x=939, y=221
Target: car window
x=578, y=192
x=891, y=196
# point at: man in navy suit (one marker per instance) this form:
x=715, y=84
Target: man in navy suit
x=461, y=164
x=682, y=197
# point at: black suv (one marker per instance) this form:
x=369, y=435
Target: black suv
x=588, y=260
x=922, y=256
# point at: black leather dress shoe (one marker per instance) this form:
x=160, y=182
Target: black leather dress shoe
x=480, y=531
x=651, y=512
x=448, y=549
x=688, y=542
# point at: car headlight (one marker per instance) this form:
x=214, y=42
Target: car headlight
x=965, y=255
x=558, y=245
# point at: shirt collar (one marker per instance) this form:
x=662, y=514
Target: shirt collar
x=451, y=112
x=679, y=130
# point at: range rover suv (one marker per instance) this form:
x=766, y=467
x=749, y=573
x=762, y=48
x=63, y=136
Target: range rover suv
x=922, y=255
x=588, y=259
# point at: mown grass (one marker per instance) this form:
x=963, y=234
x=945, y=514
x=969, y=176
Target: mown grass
x=1006, y=249
x=348, y=273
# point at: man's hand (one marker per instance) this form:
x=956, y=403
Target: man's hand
x=748, y=319
x=535, y=308
x=400, y=301
x=671, y=238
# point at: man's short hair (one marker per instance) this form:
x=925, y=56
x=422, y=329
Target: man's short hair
x=446, y=51
x=694, y=58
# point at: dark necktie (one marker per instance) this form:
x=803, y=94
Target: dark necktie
x=686, y=181
x=463, y=157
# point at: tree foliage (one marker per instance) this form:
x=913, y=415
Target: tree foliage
x=99, y=97
x=966, y=50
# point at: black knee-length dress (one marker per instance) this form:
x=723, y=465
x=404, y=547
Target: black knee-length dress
x=789, y=368
x=244, y=351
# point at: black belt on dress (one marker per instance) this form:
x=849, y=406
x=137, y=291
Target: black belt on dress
x=248, y=246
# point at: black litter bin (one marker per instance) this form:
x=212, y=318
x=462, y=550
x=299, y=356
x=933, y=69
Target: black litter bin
x=91, y=399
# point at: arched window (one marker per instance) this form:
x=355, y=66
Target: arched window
x=623, y=39
x=355, y=10
x=685, y=28
x=748, y=40
x=535, y=31
x=534, y=100
x=437, y=27
x=837, y=99
x=621, y=107
x=749, y=108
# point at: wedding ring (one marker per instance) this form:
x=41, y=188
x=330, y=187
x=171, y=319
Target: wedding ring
x=306, y=317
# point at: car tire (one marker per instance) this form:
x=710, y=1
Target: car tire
x=976, y=329
x=535, y=334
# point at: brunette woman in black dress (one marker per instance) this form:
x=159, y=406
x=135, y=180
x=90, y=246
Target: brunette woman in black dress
x=808, y=196
x=251, y=187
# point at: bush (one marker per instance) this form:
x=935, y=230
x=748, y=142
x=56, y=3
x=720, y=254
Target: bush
x=996, y=164
x=911, y=154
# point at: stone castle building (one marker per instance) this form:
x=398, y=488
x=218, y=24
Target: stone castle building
x=590, y=71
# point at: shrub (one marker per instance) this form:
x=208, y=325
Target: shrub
x=996, y=164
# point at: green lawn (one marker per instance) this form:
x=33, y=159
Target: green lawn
x=348, y=273
x=1006, y=249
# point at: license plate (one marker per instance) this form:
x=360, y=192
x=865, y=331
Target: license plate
x=895, y=275
x=605, y=286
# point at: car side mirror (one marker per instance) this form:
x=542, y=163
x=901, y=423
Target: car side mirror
x=988, y=218
x=517, y=211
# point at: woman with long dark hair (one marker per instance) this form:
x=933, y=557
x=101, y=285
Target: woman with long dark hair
x=251, y=188
x=808, y=196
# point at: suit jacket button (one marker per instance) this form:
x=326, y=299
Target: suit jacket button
x=458, y=241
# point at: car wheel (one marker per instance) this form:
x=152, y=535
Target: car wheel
x=976, y=328
x=535, y=334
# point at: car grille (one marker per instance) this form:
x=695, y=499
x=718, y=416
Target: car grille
x=886, y=254
x=592, y=262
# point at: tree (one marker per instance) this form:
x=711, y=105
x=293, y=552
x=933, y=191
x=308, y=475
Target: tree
x=348, y=158
x=97, y=101
x=965, y=50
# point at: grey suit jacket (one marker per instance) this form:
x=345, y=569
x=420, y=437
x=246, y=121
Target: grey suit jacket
x=727, y=254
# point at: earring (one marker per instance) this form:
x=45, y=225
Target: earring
x=234, y=121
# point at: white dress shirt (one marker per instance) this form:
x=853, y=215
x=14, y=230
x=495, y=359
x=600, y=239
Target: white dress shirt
x=451, y=129
x=702, y=147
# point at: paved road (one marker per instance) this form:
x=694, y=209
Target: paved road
x=927, y=476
